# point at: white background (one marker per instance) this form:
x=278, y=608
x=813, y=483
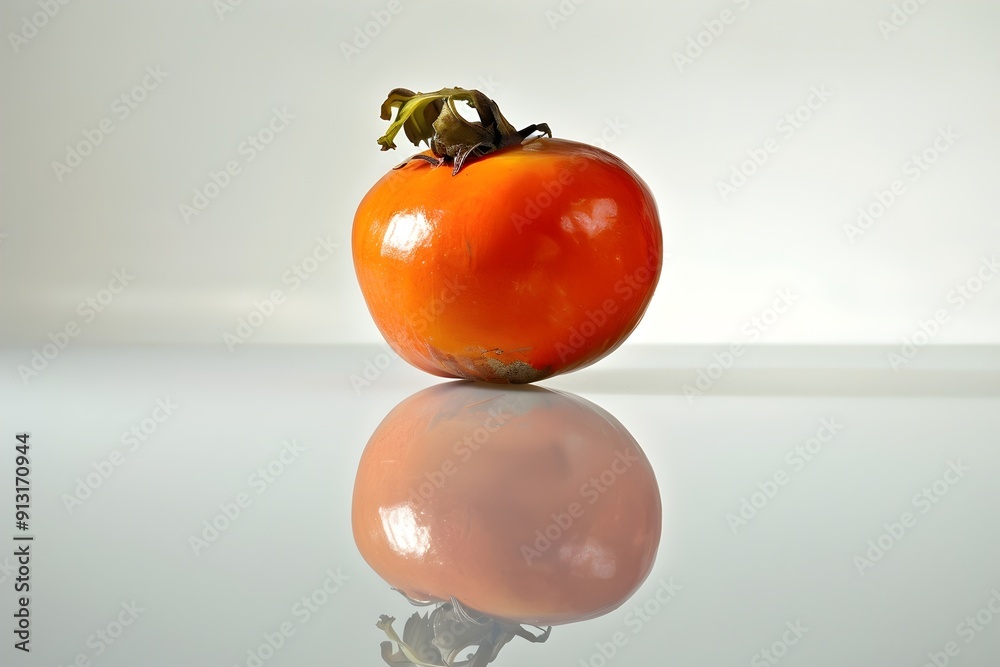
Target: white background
x=684, y=130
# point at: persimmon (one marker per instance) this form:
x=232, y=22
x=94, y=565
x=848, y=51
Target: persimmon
x=498, y=255
x=506, y=506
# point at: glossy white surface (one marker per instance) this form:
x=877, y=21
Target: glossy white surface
x=889, y=437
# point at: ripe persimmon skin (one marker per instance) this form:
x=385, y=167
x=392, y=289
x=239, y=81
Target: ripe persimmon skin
x=458, y=481
x=534, y=260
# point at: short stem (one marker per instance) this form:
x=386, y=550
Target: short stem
x=438, y=638
x=432, y=117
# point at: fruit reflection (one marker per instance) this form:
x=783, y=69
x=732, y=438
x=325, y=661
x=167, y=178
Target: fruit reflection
x=502, y=507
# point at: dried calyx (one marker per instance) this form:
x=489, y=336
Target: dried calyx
x=432, y=117
x=438, y=638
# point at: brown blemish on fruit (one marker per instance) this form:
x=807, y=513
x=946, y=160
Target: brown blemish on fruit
x=515, y=372
x=483, y=365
